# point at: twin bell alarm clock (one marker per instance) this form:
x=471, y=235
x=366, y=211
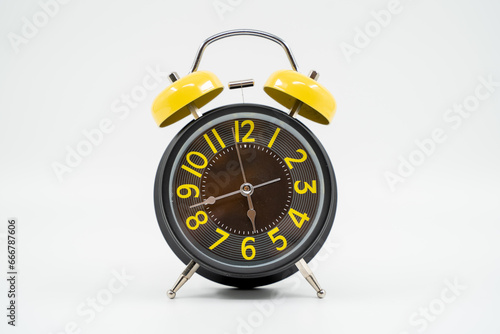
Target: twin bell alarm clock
x=245, y=194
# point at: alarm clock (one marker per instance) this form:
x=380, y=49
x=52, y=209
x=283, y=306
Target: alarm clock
x=245, y=194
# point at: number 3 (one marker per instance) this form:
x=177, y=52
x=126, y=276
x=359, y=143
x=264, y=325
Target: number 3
x=307, y=187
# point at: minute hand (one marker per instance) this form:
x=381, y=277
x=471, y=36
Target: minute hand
x=211, y=199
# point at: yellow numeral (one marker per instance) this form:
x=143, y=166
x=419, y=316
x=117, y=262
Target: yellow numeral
x=279, y=237
x=274, y=137
x=224, y=234
x=192, y=171
x=302, y=159
x=221, y=143
x=307, y=187
x=188, y=188
x=303, y=217
x=198, y=221
x=198, y=154
x=244, y=248
x=195, y=165
x=245, y=138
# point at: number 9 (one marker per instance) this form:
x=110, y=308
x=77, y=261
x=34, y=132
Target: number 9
x=188, y=188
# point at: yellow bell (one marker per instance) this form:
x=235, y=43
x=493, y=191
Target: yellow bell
x=197, y=88
x=288, y=86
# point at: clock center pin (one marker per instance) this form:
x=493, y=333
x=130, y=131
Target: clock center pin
x=246, y=189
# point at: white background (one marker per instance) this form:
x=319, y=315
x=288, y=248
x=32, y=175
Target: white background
x=390, y=252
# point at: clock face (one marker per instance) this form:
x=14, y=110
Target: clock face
x=245, y=190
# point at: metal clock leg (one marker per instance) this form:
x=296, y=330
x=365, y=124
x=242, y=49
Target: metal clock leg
x=183, y=278
x=309, y=276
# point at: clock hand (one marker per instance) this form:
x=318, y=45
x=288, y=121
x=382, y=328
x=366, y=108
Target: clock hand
x=251, y=213
x=212, y=199
x=266, y=183
x=239, y=158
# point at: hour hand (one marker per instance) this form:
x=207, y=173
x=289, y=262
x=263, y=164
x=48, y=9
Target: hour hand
x=251, y=213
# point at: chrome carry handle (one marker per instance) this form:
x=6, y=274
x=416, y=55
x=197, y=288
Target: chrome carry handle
x=243, y=32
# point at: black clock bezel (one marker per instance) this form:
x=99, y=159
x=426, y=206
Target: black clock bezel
x=187, y=252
